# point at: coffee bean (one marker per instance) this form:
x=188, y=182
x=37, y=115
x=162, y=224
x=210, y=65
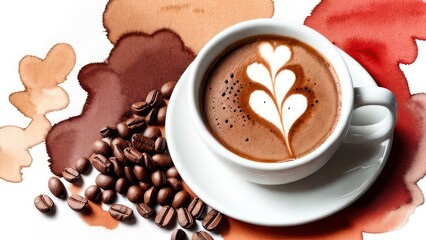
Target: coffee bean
x=101, y=163
x=135, y=194
x=141, y=173
x=162, y=160
x=161, y=115
x=213, y=220
x=101, y=147
x=149, y=163
x=165, y=216
x=144, y=210
x=150, y=196
x=172, y=172
x=121, y=185
x=144, y=186
x=181, y=199
x=201, y=235
x=140, y=108
x=133, y=155
x=56, y=187
x=154, y=98
x=93, y=193
x=71, y=175
x=175, y=184
x=118, y=170
x=136, y=124
x=142, y=143
x=105, y=181
x=160, y=145
x=108, y=131
x=158, y=178
x=118, y=153
x=121, y=212
x=165, y=196
x=82, y=165
x=151, y=117
x=77, y=202
x=108, y=196
x=185, y=219
x=152, y=132
x=130, y=176
x=167, y=89
x=178, y=234
x=44, y=203
x=120, y=142
x=196, y=207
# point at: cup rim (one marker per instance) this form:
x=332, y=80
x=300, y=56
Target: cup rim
x=252, y=28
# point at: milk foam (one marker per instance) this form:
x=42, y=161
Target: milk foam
x=276, y=105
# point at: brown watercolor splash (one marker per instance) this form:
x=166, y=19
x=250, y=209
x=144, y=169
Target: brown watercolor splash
x=137, y=64
x=195, y=21
x=380, y=35
x=41, y=96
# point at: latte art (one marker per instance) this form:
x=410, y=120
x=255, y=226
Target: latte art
x=276, y=105
x=271, y=99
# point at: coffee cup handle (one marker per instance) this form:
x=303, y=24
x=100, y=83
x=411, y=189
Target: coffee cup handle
x=360, y=132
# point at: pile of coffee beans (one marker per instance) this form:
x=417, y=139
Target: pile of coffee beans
x=132, y=159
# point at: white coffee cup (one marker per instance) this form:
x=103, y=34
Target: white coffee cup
x=351, y=98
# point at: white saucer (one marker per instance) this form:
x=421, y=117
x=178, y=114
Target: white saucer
x=340, y=182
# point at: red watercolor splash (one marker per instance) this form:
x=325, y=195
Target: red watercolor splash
x=137, y=64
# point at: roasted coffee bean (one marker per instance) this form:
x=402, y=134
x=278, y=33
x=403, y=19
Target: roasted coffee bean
x=144, y=186
x=160, y=145
x=158, y=178
x=121, y=212
x=172, y=172
x=149, y=163
x=140, y=108
x=175, y=184
x=118, y=169
x=185, y=219
x=165, y=196
x=154, y=98
x=178, y=234
x=101, y=163
x=152, y=132
x=201, y=235
x=121, y=185
x=118, y=153
x=82, y=165
x=93, y=193
x=44, y=203
x=150, y=196
x=167, y=89
x=196, y=207
x=123, y=130
x=161, y=115
x=101, y=147
x=133, y=155
x=141, y=173
x=165, y=216
x=77, y=202
x=212, y=220
x=120, y=142
x=162, y=160
x=71, y=175
x=130, y=176
x=135, y=194
x=56, y=187
x=108, y=196
x=181, y=199
x=105, y=181
x=142, y=143
x=108, y=131
x=144, y=210
x=136, y=124
x=151, y=117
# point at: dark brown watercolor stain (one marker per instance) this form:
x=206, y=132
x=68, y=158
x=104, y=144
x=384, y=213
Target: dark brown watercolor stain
x=137, y=64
